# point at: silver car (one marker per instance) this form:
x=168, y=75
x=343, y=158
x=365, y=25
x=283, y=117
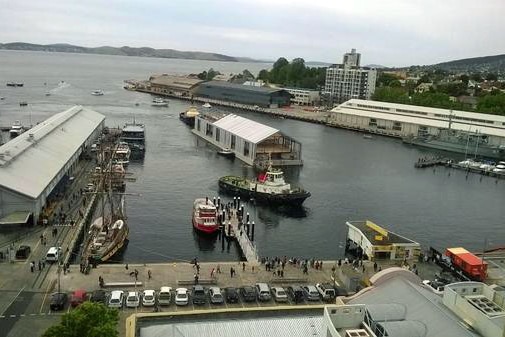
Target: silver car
x=311, y=293
x=279, y=294
x=216, y=297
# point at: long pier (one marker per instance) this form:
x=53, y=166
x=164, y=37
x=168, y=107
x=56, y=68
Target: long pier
x=425, y=163
x=236, y=225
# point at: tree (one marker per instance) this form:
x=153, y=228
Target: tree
x=476, y=77
x=88, y=320
x=491, y=77
x=464, y=79
x=263, y=75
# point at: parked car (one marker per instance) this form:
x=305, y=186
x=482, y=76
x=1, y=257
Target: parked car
x=311, y=293
x=436, y=286
x=232, y=295
x=215, y=295
x=198, y=295
x=116, y=299
x=181, y=296
x=279, y=294
x=149, y=298
x=58, y=301
x=78, y=297
x=296, y=294
x=133, y=299
x=327, y=291
x=23, y=252
x=98, y=296
x=248, y=293
x=165, y=296
x=263, y=292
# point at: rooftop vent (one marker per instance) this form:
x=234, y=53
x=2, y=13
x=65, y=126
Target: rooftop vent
x=31, y=136
x=356, y=333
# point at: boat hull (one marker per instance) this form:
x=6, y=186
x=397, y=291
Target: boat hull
x=290, y=199
x=205, y=229
x=187, y=120
x=481, y=151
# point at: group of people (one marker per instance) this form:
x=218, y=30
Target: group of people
x=41, y=265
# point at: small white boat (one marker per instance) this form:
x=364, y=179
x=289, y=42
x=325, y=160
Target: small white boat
x=226, y=153
x=16, y=129
x=367, y=136
x=158, y=101
x=48, y=93
x=23, y=103
x=97, y=93
x=207, y=105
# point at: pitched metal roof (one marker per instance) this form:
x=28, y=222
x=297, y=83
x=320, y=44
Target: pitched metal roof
x=29, y=162
x=175, y=81
x=229, y=85
x=244, y=128
x=423, y=306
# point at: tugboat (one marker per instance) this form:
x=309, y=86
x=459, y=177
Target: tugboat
x=188, y=117
x=205, y=216
x=16, y=129
x=270, y=187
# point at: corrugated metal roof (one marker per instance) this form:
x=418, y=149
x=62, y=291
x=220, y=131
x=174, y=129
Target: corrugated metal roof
x=421, y=121
x=247, y=129
x=175, y=81
x=279, y=327
x=426, y=109
x=422, y=305
x=29, y=162
x=229, y=85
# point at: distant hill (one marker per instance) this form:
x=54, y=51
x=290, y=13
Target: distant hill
x=125, y=51
x=494, y=64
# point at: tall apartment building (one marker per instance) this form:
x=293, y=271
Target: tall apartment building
x=348, y=80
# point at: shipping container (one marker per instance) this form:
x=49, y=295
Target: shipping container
x=471, y=265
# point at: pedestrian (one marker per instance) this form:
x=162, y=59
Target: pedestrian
x=197, y=268
x=320, y=265
x=32, y=266
x=44, y=241
x=231, y=271
x=149, y=274
x=212, y=273
x=363, y=268
x=136, y=272
x=43, y=264
x=218, y=269
x=126, y=267
x=243, y=266
x=375, y=266
x=40, y=265
x=282, y=273
x=196, y=279
x=278, y=273
x=252, y=269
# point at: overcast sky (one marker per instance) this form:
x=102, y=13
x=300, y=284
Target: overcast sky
x=386, y=32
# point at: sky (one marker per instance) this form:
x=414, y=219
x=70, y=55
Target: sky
x=385, y=32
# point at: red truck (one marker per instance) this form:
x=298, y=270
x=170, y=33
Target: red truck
x=466, y=262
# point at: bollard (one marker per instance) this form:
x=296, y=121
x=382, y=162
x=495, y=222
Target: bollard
x=242, y=211
x=234, y=202
x=247, y=217
x=223, y=236
x=247, y=228
x=229, y=228
x=218, y=201
x=214, y=201
x=252, y=232
x=238, y=202
x=206, y=200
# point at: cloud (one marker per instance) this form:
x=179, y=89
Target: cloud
x=389, y=32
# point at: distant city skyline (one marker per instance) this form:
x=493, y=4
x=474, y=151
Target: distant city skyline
x=389, y=33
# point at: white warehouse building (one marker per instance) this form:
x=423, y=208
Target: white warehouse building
x=35, y=162
x=402, y=120
x=254, y=143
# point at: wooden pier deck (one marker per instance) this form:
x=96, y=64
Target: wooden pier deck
x=236, y=227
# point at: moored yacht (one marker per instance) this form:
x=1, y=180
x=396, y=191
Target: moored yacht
x=122, y=154
x=158, y=101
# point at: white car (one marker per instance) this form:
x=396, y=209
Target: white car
x=116, y=299
x=133, y=299
x=148, y=298
x=165, y=296
x=279, y=294
x=216, y=297
x=181, y=296
x=436, y=286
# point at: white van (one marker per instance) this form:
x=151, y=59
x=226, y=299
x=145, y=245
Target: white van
x=53, y=254
x=165, y=296
x=263, y=292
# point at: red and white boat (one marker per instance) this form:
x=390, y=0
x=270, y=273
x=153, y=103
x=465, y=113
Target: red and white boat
x=205, y=216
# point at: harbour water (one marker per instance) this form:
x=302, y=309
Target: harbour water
x=350, y=178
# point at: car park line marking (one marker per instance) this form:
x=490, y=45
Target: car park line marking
x=14, y=299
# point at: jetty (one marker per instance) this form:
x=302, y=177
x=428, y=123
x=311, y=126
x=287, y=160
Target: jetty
x=236, y=226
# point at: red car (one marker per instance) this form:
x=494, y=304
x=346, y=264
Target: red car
x=78, y=296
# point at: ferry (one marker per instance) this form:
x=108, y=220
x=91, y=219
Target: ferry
x=188, y=116
x=269, y=187
x=205, y=216
x=135, y=135
x=16, y=129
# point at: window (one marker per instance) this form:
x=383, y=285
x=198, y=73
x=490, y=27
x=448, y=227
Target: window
x=246, y=149
x=198, y=124
x=218, y=134
x=373, y=122
x=233, y=140
x=210, y=130
x=397, y=126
